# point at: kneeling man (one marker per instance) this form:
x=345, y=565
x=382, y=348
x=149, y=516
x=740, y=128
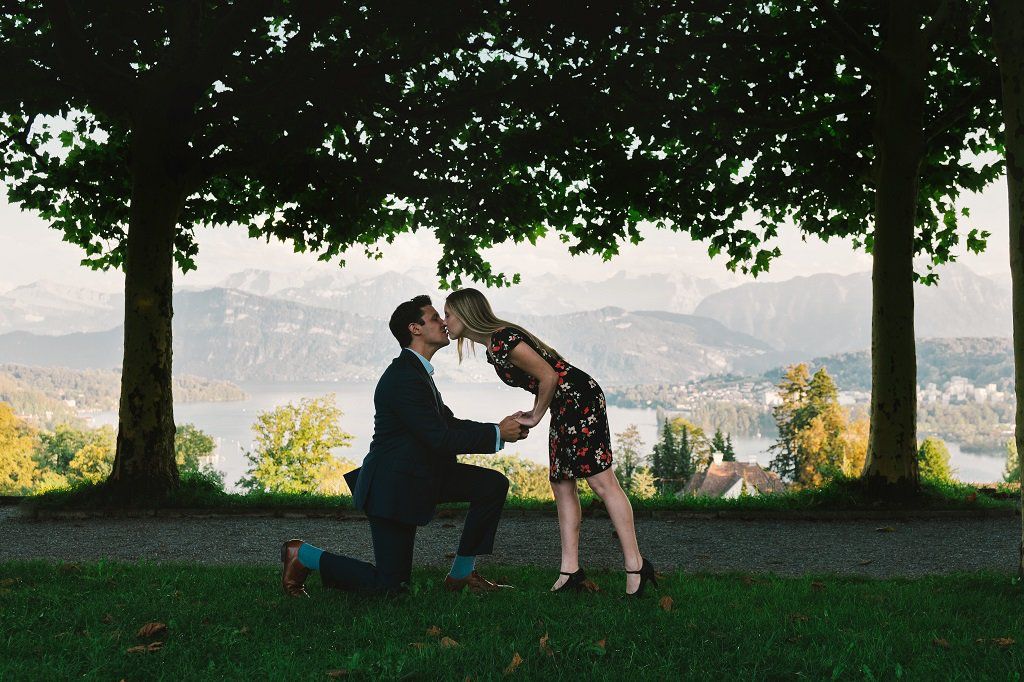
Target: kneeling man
x=410, y=469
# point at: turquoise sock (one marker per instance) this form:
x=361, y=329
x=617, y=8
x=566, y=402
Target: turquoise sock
x=462, y=566
x=309, y=556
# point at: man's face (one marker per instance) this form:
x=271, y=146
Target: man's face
x=433, y=330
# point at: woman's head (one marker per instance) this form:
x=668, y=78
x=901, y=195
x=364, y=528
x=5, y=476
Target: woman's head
x=468, y=313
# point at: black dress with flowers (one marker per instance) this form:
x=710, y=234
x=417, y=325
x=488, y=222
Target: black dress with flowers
x=579, y=437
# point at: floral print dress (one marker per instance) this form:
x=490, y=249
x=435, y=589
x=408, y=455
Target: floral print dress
x=579, y=437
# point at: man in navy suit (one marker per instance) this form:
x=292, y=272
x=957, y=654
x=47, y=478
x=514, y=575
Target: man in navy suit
x=410, y=469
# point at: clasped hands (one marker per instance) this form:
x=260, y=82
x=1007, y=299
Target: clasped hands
x=517, y=426
x=512, y=429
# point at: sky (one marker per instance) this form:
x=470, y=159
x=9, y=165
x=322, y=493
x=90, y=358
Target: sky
x=32, y=251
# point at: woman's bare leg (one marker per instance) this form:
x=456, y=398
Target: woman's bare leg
x=567, y=500
x=607, y=487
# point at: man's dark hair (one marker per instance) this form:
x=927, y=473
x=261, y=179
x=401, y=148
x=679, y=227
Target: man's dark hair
x=410, y=312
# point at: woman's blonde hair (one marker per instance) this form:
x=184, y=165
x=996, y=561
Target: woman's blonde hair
x=475, y=312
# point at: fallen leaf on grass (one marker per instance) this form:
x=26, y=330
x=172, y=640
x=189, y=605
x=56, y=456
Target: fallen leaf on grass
x=448, y=643
x=589, y=585
x=865, y=562
x=70, y=568
x=817, y=586
x=108, y=619
x=599, y=647
x=417, y=645
x=941, y=642
x=145, y=648
x=154, y=629
x=998, y=641
x=747, y=580
x=433, y=631
x=665, y=603
x=517, y=660
x=885, y=529
x=799, y=617
x=544, y=647
x=340, y=672
x=7, y=582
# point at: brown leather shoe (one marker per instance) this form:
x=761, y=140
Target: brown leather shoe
x=293, y=573
x=474, y=581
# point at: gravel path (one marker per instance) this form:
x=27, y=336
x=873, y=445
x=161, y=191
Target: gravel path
x=853, y=547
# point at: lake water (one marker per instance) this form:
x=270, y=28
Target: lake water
x=230, y=423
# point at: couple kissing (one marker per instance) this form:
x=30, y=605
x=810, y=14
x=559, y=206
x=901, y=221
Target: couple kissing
x=412, y=467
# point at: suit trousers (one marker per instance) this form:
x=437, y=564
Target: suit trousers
x=393, y=541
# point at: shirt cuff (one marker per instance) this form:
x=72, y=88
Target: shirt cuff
x=498, y=443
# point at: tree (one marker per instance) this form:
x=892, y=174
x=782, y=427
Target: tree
x=59, y=447
x=1012, y=472
x=642, y=486
x=91, y=464
x=628, y=460
x=190, y=446
x=933, y=460
x=1008, y=35
x=851, y=120
x=526, y=479
x=127, y=124
x=813, y=445
x=791, y=418
x=665, y=456
x=723, y=444
x=293, y=447
x=18, y=469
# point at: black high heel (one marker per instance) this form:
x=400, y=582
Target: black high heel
x=646, y=573
x=575, y=581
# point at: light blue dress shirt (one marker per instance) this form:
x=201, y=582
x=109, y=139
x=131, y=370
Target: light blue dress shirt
x=498, y=444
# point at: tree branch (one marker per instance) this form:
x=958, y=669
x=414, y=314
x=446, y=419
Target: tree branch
x=859, y=49
x=941, y=19
x=986, y=90
x=110, y=89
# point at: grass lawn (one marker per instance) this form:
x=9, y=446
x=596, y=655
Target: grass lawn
x=64, y=621
x=200, y=493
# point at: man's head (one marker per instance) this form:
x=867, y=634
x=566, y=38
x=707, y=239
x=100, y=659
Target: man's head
x=417, y=322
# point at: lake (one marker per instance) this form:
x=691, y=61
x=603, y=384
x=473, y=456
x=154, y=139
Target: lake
x=230, y=423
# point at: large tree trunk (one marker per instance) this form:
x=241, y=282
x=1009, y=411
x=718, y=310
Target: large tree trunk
x=891, y=467
x=1008, y=31
x=144, y=467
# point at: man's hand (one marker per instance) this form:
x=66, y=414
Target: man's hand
x=512, y=430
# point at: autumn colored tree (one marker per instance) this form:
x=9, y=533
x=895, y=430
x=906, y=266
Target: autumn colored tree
x=18, y=441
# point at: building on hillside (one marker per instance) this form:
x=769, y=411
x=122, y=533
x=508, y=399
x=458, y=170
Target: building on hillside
x=731, y=479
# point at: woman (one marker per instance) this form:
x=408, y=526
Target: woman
x=579, y=437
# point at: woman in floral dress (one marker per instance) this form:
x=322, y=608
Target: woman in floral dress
x=579, y=437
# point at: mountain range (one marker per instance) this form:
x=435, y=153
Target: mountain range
x=263, y=326
x=229, y=334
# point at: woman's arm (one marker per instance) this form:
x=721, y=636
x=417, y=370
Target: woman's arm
x=528, y=360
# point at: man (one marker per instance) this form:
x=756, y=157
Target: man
x=411, y=467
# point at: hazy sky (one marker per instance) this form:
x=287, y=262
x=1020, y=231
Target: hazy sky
x=32, y=251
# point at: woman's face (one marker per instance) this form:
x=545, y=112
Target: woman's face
x=454, y=324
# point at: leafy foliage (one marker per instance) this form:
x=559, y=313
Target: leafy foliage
x=933, y=460
x=293, y=446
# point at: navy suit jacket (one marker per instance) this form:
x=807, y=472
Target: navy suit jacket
x=415, y=441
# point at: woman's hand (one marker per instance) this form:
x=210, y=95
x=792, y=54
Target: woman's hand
x=527, y=419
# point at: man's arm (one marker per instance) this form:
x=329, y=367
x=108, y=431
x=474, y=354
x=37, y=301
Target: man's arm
x=413, y=403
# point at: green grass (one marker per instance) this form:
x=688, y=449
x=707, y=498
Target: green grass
x=197, y=492
x=78, y=621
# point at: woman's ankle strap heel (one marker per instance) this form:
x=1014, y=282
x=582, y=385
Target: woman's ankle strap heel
x=575, y=581
x=646, y=574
